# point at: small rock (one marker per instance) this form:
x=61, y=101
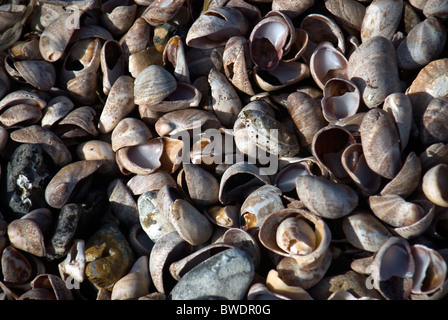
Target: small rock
x=65, y=230
x=152, y=220
x=109, y=255
x=226, y=275
x=26, y=178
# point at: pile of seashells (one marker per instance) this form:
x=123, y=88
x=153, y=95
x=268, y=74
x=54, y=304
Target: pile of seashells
x=100, y=101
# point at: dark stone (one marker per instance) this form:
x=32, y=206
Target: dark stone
x=65, y=230
x=27, y=176
x=226, y=275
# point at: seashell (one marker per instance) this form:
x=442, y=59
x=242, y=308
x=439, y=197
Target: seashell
x=47, y=140
x=242, y=240
x=225, y=101
x=430, y=270
x=16, y=268
x=380, y=143
x=306, y=114
x=10, y=14
x=258, y=205
x=285, y=179
x=135, y=284
x=140, y=60
x=27, y=49
x=271, y=39
x=118, y=16
x=409, y=218
x=215, y=26
x=55, y=38
x=364, y=231
x=379, y=78
x=54, y=284
x=152, y=219
x=174, y=53
x=349, y=14
x=140, y=184
x=183, y=97
x=286, y=74
x=162, y=11
x=307, y=257
x=191, y=225
x=326, y=198
x=399, y=106
x=153, y=85
x=412, y=53
x=258, y=128
x=40, y=74
x=327, y=147
x=112, y=63
x=97, y=150
x=168, y=249
x=407, y=179
x=109, y=256
x=433, y=128
x=321, y=28
x=437, y=229
x=139, y=240
x=83, y=88
x=26, y=235
x=381, y=19
x=77, y=123
x=237, y=178
x=276, y=284
x=132, y=42
x=119, y=103
x=292, y=8
x=393, y=268
x=144, y=158
x=327, y=62
x=56, y=109
x=37, y=294
x=22, y=97
x=172, y=155
x=4, y=136
x=354, y=162
x=129, y=132
x=433, y=185
x=65, y=183
x=122, y=203
x=428, y=84
x=20, y=114
x=74, y=263
x=341, y=99
x=237, y=64
x=176, y=122
x=179, y=268
x=436, y=8
x=83, y=57
x=199, y=185
x=259, y=291
x=224, y=216
x=433, y=155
